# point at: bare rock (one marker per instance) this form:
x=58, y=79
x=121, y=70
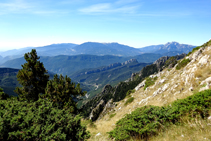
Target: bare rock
x=142, y=84
x=96, y=111
x=204, y=60
x=110, y=105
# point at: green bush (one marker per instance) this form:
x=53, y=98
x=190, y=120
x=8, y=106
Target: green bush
x=148, y=120
x=129, y=100
x=129, y=92
x=150, y=81
x=112, y=115
x=194, y=49
x=39, y=120
x=182, y=64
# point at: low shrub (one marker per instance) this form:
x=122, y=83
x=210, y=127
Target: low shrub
x=148, y=120
x=150, y=81
x=129, y=92
x=182, y=64
x=129, y=100
x=112, y=115
x=39, y=120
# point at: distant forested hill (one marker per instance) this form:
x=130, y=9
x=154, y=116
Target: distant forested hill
x=67, y=65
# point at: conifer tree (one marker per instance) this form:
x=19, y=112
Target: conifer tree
x=3, y=96
x=63, y=93
x=33, y=77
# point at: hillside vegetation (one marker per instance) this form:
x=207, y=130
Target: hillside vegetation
x=156, y=114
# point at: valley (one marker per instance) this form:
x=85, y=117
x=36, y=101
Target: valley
x=118, y=85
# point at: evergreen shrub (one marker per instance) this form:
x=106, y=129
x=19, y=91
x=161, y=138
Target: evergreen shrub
x=150, y=81
x=129, y=100
x=39, y=120
x=148, y=120
x=182, y=64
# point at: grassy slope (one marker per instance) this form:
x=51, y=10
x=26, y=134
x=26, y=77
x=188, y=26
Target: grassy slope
x=189, y=130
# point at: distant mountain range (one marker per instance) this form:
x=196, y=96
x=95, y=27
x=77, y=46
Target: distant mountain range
x=171, y=48
x=94, y=48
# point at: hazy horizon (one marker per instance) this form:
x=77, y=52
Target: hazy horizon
x=26, y=23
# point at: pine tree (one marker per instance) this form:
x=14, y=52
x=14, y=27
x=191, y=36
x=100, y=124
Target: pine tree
x=33, y=77
x=63, y=93
x=3, y=96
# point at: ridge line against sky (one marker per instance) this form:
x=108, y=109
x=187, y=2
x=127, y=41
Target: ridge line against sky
x=136, y=23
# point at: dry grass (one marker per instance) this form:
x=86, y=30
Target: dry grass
x=195, y=130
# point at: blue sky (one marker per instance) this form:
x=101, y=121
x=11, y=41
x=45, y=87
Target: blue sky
x=137, y=23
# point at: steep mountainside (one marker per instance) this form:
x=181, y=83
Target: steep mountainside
x=97, y=78
x=177, y=80
x=119, y=92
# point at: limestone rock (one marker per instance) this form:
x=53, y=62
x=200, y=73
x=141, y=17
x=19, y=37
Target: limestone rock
x=107, y=108
x=204, y=60
x=142, y=84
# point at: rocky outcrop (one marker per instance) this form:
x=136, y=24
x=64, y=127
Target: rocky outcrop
x=96, y=111
x=107, y=108
x=142, y=84
x=161, y=62
x=104, y=68
x=130, y=61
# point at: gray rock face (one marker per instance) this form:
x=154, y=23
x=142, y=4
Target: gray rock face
x=130, y=61
x=104, y=68
x=106, y=89
x=96, y=111
x=108, y=107
x=161, y=61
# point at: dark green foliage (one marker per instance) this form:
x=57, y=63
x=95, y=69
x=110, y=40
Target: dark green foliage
x=150, y=81
x=122, y=88
x=63, y=93
x=130, y=91
x=40, y=120
x=129, y=100
x=148, y=70
x=3, y=96
x=194, y=49
x=182, y=64
x=32, y=77
x=148, y=120
x=171, y=62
